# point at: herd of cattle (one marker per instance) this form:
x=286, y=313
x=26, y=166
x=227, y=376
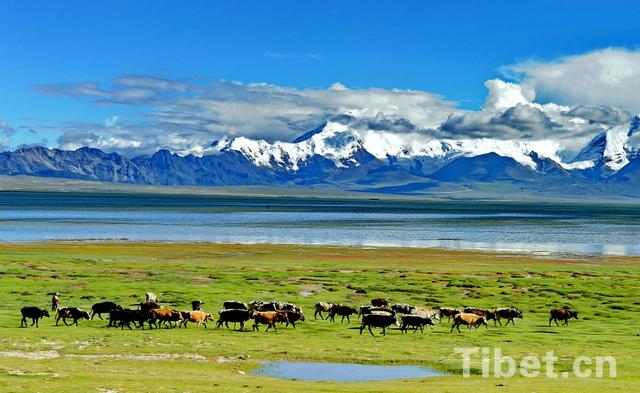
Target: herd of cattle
x=380, y=314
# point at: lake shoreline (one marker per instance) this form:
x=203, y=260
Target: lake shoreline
x=440, y=251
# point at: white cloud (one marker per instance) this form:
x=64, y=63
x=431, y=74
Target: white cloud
x=503, y=95
x=288, y=55
x=111, y=121
x=604, y=77
x=187, y=116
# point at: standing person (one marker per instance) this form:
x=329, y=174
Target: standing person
x=55, y=301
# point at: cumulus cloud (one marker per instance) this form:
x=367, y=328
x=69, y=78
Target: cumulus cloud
x=186, y=116
x=503, y=95
x=604, y=77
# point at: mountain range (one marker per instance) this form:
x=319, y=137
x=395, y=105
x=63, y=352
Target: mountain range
x=336, y=155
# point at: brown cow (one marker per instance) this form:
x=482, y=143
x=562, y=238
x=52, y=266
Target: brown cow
x=198, y=317
x=509, y=314
x=468, y=320
x=562, y=314
x=165, y=315
x=488, y=314
x=447, y=312
x=269, y=318
x=379, y=302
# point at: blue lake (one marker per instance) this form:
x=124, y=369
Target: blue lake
x=521, y=227
x=342, y=372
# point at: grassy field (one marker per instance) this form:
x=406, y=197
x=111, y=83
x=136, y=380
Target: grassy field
x=605, y=290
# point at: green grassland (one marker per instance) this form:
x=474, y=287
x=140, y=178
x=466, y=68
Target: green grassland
x=93, y=358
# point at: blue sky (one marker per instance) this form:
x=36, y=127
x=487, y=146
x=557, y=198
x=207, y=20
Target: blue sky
x=446, y=48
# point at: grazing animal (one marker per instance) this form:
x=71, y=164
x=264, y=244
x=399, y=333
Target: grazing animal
x=488, y=314
x=284, y=306
x=124, y=317
x=447, y=312
x=470, y=320
x=146, y=307
x=403, y=308
x=379, y=302
x=416, y=322
x=508, y=313
x=165, y=316
x=103, y=308
x=196, y=305
x=344, y=311
x=426, y=312
x=292, y=318
x=364, y=310
x=269, y=318
x=321, y=307
x=233, y=315
x=198, y=317
x=71, y=313
x=34, y=313
x=258, y=305
x=378, y=320
x=234, y=305
x=562, y=314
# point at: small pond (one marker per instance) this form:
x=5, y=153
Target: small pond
x=342, y=372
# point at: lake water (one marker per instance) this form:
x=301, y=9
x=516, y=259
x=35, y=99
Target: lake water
x=522, y=227
x=342, y=372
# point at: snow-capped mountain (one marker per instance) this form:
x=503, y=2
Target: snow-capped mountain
x=345, y=147
x=613, y=148
x=338, y=154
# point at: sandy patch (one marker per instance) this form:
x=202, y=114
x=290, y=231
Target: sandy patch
x=142, y=358
x=38, y=355
x=43, y=355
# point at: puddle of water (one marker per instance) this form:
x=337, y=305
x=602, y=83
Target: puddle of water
x=342, y=372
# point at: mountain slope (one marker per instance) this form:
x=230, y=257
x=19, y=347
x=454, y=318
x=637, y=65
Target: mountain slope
x=84, y=163
x=486, y=168
x=340, y=156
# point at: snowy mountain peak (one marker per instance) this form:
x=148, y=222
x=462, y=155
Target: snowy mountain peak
x=613, y=147
x=343, y=145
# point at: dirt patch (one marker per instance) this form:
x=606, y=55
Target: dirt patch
x=43, y=355
x=228, y=359
x=143, y=358
x=23, y=373
x=38, y=355
x=310, y=289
